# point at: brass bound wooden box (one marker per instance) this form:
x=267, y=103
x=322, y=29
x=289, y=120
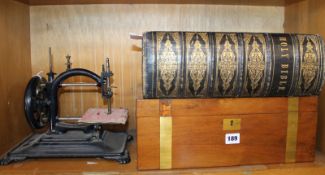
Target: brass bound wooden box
x=190, y=133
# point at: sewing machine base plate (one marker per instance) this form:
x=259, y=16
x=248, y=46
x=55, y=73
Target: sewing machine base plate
x=108, y=145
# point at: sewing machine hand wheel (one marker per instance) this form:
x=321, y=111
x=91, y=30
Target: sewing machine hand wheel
x=36, y=103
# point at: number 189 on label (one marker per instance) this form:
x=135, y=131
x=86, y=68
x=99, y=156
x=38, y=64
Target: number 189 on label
x=232, y=138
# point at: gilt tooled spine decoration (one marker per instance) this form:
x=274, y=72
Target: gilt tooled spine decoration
x=168, y=64
x=214, y=65
x=309, y=65
x=256, y=65
x=227, y=65
x=197, y=65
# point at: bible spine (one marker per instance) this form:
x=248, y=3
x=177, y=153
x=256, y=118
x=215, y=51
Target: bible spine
x=209, y=64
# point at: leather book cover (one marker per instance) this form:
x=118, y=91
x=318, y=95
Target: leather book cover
x=211, y=64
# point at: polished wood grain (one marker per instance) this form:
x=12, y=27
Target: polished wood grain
x=316, y=13
x=148, y=138
x=201, y=107
x=306, y=134
x=147, y=108
x=198, y=136
x=297, y=17
x=308, y=104
x=15, y=71
x=147, y=119
x=200, y=141
x=23, y=1
x=308, y=17
x=92, y=32
x=227, y=2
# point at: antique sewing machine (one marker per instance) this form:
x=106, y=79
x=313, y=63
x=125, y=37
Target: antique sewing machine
x=62, y=138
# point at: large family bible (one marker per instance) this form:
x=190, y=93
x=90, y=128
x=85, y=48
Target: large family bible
x=210, y=64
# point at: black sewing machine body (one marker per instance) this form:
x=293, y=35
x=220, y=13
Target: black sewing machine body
x=64, y=139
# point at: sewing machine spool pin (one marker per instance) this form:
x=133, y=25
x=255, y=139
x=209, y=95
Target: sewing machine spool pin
x=109, y=110
x=68, y=63
x=107, y=92
x=50, y=74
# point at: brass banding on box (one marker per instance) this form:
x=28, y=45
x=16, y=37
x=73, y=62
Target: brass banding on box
x=166, y=142
x=293, y=116
x=166, y=130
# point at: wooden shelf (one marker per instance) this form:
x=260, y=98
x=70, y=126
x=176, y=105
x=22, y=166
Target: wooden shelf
x=97, y=166
x=222, y=2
